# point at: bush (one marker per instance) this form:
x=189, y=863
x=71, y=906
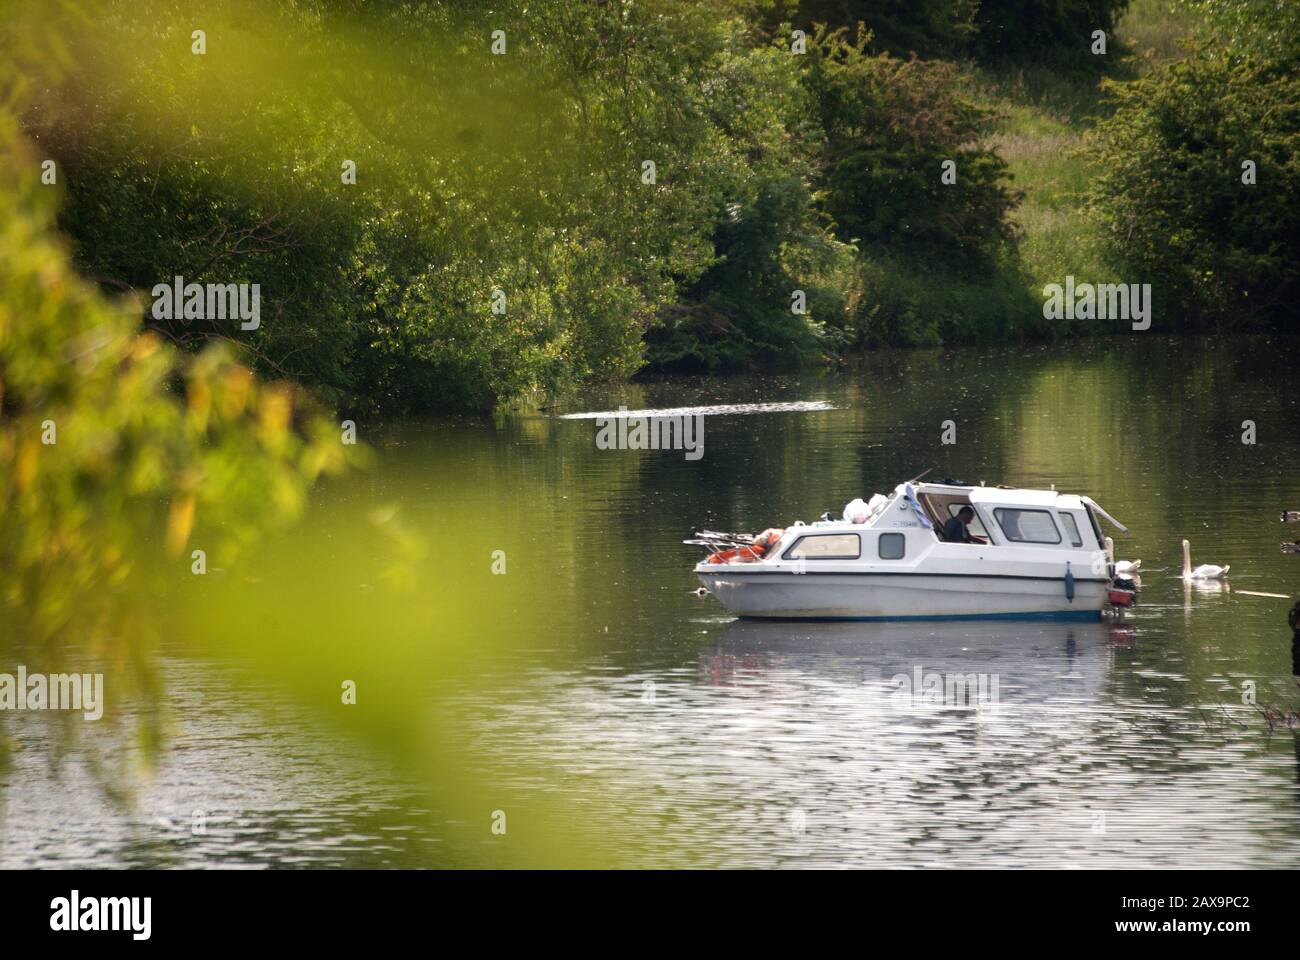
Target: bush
x=991, y=31
x=1044, y=30
x=1170, y=191
x=1266, y=29
x=904, y=303
x=765, y=237
x=888, y=127
x=927, y=28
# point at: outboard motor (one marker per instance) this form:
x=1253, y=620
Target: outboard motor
x=1122, y=593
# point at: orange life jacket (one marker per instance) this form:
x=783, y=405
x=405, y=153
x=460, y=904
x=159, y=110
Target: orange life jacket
x=754, y=551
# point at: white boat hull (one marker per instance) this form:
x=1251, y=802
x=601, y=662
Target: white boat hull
x=885, y=596
x=1034, y=554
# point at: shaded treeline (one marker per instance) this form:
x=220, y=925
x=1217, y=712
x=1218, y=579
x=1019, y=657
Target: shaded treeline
x=555, y=193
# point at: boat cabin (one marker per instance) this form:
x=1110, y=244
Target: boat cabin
x=1008, y=516
x=913, y=518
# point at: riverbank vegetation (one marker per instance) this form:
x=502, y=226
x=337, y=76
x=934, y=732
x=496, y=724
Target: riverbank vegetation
x=450, y=207
x=1198, y=171
x=681, y=185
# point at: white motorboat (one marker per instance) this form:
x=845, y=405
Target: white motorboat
x=1043, y=555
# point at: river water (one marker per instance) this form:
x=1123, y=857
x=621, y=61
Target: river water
x=536, y=683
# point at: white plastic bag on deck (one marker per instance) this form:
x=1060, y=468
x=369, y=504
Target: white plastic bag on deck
x=857, y=511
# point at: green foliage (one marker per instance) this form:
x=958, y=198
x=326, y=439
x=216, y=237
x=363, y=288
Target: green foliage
x=767, y=238
x=475, y=173
x=844, y=152
x=116, y=451
x=901, y=302
x=1170, y=191
x=991, y=31
x=1265, y=28
x=927, y=28
x=521, y=173
x=888, y=126
x=1045, y=30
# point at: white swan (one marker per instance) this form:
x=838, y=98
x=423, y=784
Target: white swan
x=1123, y=568
x=1206, y=571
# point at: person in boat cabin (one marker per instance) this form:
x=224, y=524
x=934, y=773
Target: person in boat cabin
x=957, y=529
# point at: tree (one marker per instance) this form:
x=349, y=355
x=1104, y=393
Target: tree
x=1199, y=187
x=117, y=452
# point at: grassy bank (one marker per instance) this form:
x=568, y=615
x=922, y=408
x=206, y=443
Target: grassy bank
x=1043, y=117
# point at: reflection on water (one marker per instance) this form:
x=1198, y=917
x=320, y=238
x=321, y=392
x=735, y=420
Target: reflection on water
x=726, y=409
x=245, y=784
x=644, y=711
x=787, y=744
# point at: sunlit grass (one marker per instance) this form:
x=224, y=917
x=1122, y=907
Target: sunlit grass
x=1043, y=115
x=1157, y=28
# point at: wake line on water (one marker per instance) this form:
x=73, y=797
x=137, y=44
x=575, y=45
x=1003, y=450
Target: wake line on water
x=799, y=406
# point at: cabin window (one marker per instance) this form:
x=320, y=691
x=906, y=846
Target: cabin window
x=976, y=526
x=1027, y=526
x=825, y=546
x=892, y=546
x=1071, y=529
